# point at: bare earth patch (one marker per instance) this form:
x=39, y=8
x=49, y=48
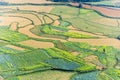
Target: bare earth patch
x=48, y=20
x=5, y=21
x=37, y=44
x=92, y=59
x=75, y=53
x=1, y=78
x=106, y=21
x=15, y=47
x=55, y=17
x=31, y=17
x=14, y=26
x=56, y=23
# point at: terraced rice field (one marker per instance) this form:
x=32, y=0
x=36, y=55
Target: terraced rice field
x=58, y=43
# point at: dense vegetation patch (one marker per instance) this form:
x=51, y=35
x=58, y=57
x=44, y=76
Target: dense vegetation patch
x=12, y=36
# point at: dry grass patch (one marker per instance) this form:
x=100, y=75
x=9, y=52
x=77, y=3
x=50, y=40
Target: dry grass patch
x=48, y=20
x=36, y=8
x=92, y=59
x=56, y=23
x=13, y=26
x=48, y=75
x=5, y=21
x=29, y=16
x=1, y=78
x=106, y=21
x=15, y=47
x=55, y=17
x=37, y=44
x=75, y=53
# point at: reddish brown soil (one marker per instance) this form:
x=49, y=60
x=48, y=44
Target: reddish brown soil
x=110, y=12
x=104, y=10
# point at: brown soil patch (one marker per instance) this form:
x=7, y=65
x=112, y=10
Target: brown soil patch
x=30, y=17
x=26, y=31
x=5, y=21
x=48, y=20
x=40, y=17
x=53, y=16
x=37, y=44
x=106, y=21
x=93, y=49
x=75, y=53
x=92, y=59
x=71, y=27
x=15, y=47
x=13, y=26
x=99, y=42
x=1, y=78
x=56, y=23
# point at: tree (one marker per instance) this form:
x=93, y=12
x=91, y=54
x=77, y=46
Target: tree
x=118, y=37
